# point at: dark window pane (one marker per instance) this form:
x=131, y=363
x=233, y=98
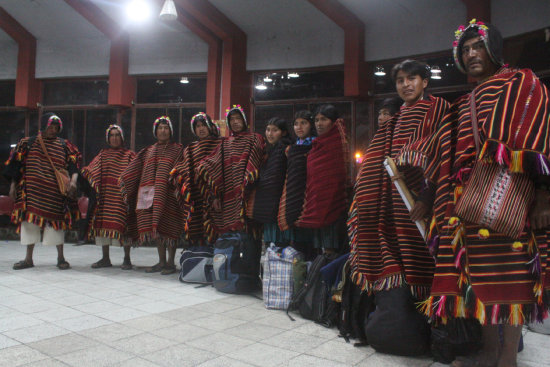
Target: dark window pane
x=7, y=93
x=364, y=126
x=171, y=90
x=73, y=126
x=13, y=129
x=81, y=92
x=262, y=114
x=97, y=122
x=313, y=84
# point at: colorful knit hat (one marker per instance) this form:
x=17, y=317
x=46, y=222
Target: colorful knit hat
x=201, y=116
x=489, y=34
x=49, y=118
x=159, y=120
x=115, y=127
x=239, y=109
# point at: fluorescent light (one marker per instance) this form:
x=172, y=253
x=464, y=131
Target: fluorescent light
x=293, y=74
x=268, y=79
x=168, y=11
x=379, y=71
x=138, y=10
x=184, y=80
x=13, y=145
x=261, y=87
x=436, y=76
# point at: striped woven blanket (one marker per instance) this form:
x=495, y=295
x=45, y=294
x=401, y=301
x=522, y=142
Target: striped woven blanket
x=480, y=273
x=110, y=215
x=38, y=198
x=163, y=219
x=387, y=249
x=226, y=175
x=189, y=191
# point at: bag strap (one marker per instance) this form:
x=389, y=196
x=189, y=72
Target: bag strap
x=45, y=150
x=473, y=117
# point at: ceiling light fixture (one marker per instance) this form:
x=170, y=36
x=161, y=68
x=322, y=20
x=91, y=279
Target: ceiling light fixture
x=268, y=79
x=261, y=86
x=138, y=10
x=184, y=80
x=436, y=72
x=379, y=71
x=293, y=74
x=168, y=11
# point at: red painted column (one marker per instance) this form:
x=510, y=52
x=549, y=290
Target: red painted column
x=27, y=88
x=479, y=9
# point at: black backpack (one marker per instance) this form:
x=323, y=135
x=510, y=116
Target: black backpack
x=355, y=307
x=313, y=300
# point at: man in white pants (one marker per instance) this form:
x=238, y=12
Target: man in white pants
x=39, y=204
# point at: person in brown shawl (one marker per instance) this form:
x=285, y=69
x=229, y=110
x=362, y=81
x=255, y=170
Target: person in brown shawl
x=39, y=203
x=146, y=189
x=110, y=223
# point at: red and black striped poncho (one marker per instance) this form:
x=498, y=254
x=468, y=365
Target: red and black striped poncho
x=189, y=192
x=327, y=179
x=387, y=249
x=110, y=217
x=38, y=198
x=226, y=175
x=151, y=167
x=492, y=278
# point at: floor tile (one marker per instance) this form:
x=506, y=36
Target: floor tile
x=225, y=361
x=180, y=356
x=295, y=341
x=83, y=323
x=182, y=332
x=122, y=314
x=59, y=313
x=110, y=333
x=217, y=322
x=263, y=355
x=253, y=331
x=63, y=344
x=311, y=361
x=340, y=351
x=156, y=306
x=219, y=343
x=98, y=356
x=17, y=322
x=6, y=342
x=387, y=360
x=142, y=344
x=152, y=322
x=19, y=355
x=52, y=362
x=96, y=306
x=36, y=332
x=136, y=362
x=184, y=314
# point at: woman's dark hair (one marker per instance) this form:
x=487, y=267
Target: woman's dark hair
x=282, y=125
x=392, y=105
x=329, y=111
x=207, y=122
x=411, y=67
x=308, y=116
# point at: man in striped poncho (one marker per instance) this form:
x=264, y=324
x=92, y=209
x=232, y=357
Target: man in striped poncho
x=39, y=204
x=111, y=224
x=146, y=189
x=481, y=273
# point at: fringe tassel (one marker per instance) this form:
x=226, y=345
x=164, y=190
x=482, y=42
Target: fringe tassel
x=542, y=165
x=516, y=315
x=480, y=312
x=517, y=162
x=458, y=260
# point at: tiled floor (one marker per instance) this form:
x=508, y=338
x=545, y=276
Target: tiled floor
x=109, y=317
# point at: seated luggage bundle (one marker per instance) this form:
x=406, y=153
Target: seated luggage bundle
x=278, y=279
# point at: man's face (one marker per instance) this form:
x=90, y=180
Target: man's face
x=163, y=132
x=302, y=128
x=52, y=130
x=383, y=115
x=410, y=87
x=476, y=60
x=115, y=139
x=236, y=122
x=201, y=130
x=322, y=124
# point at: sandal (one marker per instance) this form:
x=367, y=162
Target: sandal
x=63, y=264
x=126, y=265
x=154, y=269
x=167, y=270
x=23, y=264
x=102, y=264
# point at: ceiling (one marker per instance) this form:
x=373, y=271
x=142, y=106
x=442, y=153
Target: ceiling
x=281, y=34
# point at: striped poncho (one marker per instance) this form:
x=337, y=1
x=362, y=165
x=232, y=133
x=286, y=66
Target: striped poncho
x=327, y=179
x=387, y=249
x=189, y=192
x=488, y=275
x=263, y=205
x=226, y=175
x=38, y=198
x=110, y=216
x=151, y=167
